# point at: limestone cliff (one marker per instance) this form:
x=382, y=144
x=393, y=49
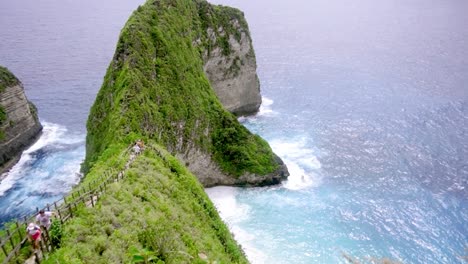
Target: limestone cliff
x=229, y=60
x=19, y=124
x=156, y=88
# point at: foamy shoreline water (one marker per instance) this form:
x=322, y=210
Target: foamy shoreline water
x=233, y=213
x=45, y=171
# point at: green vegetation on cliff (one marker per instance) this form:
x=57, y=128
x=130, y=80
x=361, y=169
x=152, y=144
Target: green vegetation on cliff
x=6, y=78
x=155, y=88
x=216, y=17
x=158, y=212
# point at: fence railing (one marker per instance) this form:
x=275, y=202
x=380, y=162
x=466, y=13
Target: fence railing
x=15, y=237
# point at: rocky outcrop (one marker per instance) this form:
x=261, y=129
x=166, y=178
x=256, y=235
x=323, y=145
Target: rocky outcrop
x=209, y=173
x=232, y=68
x=159, y=87
x=19, y=124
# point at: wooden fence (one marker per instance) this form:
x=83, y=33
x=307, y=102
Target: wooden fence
x=15, y=237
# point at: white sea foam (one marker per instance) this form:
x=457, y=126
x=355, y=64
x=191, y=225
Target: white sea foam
x=52, y=135
x=225, y=201
x=304, y=168
x=265, y=110
x=265, y=107
x=303, y=165
x=234, y=214
x=246, y=239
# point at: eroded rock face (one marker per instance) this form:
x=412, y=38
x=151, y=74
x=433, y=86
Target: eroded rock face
x=232, y=68
x=209, y=174
x=19, y=125
x=158, y=78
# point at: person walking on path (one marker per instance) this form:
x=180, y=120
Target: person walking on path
x=34, y=235
x=140, y=144
x=43, y=219
x=136, y=149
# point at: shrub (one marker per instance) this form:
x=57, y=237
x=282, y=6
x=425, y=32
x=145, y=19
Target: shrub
x=56, y=233
x=6, y=78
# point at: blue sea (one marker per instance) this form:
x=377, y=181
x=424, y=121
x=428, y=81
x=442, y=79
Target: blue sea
x=365, y=101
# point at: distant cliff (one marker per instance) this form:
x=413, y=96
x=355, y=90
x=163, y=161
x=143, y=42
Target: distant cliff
x=19, y=124
x=229, y=58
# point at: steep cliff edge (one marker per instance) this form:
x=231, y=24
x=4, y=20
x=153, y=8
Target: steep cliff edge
x=158, y=213
x=19, y=124
x=156, y=89
x=229, y=59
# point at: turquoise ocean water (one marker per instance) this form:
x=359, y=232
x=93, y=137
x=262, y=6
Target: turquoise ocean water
x=365, y=101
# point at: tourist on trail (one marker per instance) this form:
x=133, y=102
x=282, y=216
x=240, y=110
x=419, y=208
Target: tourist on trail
x=136, y=149
x=140, y=144
x=34, y=234
x=43, y=219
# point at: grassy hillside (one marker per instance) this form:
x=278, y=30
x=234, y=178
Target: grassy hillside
x=155, y=89
x=158, y=213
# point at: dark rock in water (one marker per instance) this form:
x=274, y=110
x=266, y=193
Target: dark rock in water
x=19, y=123
x=210, y=174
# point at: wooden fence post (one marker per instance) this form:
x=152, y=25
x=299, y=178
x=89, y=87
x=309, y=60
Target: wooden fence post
x=75, y=203
x=58, y=212
x=4, y=250
x=92, y=200
x=47, y=240
x=11, y=242
x=20, y=234
x=37, y=260
x=70, y=210
x=41, y=244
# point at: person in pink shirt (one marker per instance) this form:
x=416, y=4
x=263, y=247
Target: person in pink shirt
x=34, y=234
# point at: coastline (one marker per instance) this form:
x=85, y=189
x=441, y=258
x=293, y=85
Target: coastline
x=7, y=166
